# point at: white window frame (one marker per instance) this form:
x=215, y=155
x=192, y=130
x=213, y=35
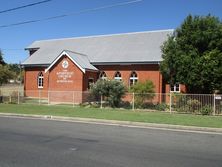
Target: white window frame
x=40, y=80
x=103, y=75
x=118, y=76
x=89, y=84
x=175, y=86
x=133, y=78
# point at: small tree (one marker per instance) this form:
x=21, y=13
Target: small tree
x=111, y=90
x=5, y=74
x=16, y=70
x=144, y=91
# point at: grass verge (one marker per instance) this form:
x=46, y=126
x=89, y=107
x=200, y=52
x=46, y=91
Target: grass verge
x=116, y=114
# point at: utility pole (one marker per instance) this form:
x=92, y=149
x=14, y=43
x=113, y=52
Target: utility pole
x=20, y=73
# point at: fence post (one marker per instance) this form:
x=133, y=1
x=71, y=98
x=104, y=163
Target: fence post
x=170, y=102
x=214, y=110
x=101, y=99
x=18, y=96
x=133, y=103
x=10, y=99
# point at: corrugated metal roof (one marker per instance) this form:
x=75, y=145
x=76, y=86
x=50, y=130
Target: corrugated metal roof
x=129, y=47
x=81, y=60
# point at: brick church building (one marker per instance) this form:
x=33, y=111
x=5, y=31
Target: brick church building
x=71, y=64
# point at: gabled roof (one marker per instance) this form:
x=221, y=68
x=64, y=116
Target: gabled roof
x=80, y=60
x=118, y=48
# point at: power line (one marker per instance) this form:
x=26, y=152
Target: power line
x=24, y=6
x=73, y=13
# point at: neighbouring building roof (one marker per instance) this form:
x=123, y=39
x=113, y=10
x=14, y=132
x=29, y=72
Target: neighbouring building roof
x=138, y=47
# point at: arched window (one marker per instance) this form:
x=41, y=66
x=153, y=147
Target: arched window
x=118, y=76
x=102, y=75
x=133, y=78
x=40, y=80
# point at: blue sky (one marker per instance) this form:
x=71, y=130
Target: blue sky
x=142, y=16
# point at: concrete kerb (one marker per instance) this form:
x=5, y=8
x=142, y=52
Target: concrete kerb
x=118, y=123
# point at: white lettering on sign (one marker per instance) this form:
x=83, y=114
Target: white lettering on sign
x=218, y=97
x=64, y=77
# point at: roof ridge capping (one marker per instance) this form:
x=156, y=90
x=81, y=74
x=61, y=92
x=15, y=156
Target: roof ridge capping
x=66, y=50
x=107, y=35
x=81, y=54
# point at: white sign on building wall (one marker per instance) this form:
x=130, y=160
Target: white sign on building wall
x=64, y=76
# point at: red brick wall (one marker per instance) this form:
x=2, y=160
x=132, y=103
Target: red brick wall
x=80, y=80
x=66, y=80
x=87, y=75
x=31, y=75
x=69, y=79
x=76, y=80
x=144, y=72
x=31, y=81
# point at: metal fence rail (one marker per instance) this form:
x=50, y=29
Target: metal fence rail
x=169, y=102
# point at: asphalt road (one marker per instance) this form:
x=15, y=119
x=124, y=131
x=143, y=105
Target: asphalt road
x=44, y=143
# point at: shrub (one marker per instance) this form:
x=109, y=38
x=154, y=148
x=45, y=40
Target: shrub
x=193, y=104
x=206, y=110
x=143, y=92
x=181, y=103
x=144, y=105
x=111, y=90
x=162, y=107
x=126, y=105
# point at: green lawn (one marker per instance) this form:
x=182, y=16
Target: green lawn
x=115, y=114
